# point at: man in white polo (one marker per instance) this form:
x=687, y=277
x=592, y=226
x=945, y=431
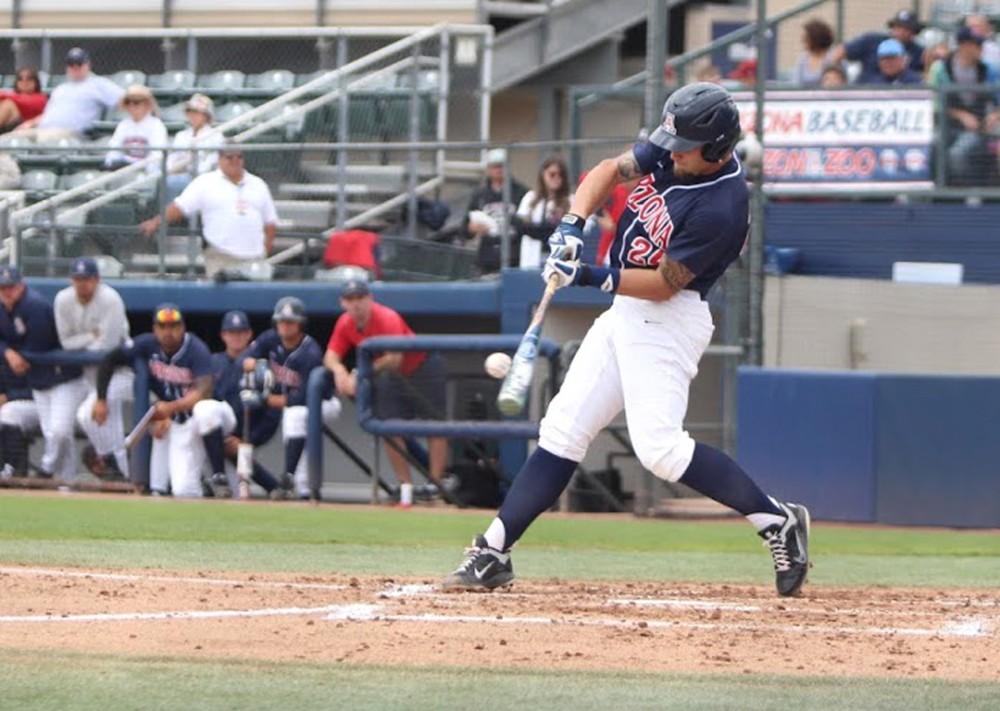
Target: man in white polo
x=237, y=213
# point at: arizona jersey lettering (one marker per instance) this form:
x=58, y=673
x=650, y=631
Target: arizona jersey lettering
x=170, y=377
x=699, y=221
x=291, y=368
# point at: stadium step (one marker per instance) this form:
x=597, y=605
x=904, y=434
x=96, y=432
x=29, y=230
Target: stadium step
x=304, y=214
x=390, y=176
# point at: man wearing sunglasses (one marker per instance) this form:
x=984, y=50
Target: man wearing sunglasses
x=76, y=104
x=237, y=214
x=180, y=375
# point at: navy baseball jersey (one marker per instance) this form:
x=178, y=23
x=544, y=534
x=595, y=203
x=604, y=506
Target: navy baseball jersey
x=170, y=377
x=228, y=372
x=699, y=221
x=13, y=387
x=31, y=327
x=291, y=368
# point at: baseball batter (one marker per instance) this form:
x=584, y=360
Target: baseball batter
x=27, y=324
x=90, y=315
x=220, y=419
x=180, y=375
x=291, y=354
x=684, y=223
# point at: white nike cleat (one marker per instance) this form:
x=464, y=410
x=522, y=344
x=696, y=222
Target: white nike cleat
x=484, y=568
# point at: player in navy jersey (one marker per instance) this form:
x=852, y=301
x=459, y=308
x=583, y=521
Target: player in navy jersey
x=220, y=419
x=180, y=375
x=18, y=416
x=291, y=355
x=28, y=325
x=685, y=222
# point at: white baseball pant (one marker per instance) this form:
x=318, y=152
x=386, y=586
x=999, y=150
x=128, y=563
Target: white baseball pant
x=20, y=413
x=293, y=425
x=109, y=438
x=641, y=356
x=177, y=459
x=57, y=408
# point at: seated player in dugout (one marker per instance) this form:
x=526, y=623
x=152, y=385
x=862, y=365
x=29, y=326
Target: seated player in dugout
x=180, y=375
x=291, y=354
x=407, y=386
x=220, y=420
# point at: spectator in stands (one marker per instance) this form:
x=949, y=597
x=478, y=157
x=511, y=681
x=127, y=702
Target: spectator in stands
x=892, y=69
x=745, y=74
x=90, y=316
x=24, y=103
x=194, y=148
x=488, y=212
x=834, y=77
x=970, y=114
x=407, y=385
x=541, y=209
x=903, y=27
x=817, y=38
x=981, y=26
x=76, y=104
x=137, y=132
x=708, y=72
x=237, y=212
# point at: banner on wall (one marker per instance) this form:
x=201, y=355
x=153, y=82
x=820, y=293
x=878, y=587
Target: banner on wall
x=867, y=139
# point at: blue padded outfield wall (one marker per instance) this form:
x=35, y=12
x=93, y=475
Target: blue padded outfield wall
x=875, y=447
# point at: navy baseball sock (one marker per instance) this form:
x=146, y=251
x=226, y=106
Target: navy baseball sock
x=718, y=477
x=215, y=450
x=536, y=488
x=293, y=453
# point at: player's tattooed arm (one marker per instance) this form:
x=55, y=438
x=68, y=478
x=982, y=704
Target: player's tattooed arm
x=628, y=168
x=655, y=284
x=674, y=274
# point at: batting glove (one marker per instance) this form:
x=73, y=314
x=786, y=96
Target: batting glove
x=566, y=273
x=566, y=242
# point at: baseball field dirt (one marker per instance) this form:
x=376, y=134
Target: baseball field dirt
x=227, y=605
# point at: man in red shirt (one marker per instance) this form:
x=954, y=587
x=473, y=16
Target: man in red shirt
x=407, y=385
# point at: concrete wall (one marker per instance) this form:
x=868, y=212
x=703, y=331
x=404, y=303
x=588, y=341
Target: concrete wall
x=869, y=324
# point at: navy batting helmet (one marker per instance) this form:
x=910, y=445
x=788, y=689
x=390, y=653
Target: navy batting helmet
x=289, y=308
x=700, y=114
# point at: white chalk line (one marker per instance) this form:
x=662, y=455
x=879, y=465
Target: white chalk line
x=785, y=608
x=176, y=615
x=363, y=612
x=121, y=577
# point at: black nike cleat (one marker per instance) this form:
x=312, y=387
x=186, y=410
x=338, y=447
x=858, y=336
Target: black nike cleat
x=484, y=568
x=789, y=546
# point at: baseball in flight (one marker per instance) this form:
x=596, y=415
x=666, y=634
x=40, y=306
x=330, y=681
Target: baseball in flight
x=497, y=365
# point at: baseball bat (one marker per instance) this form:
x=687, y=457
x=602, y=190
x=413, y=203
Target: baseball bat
x=244, y=457
x=514, y=390
x=140, y=428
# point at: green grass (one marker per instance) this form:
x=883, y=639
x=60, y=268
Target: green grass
x=148, y=533
x=130, y=532
x=90, y=682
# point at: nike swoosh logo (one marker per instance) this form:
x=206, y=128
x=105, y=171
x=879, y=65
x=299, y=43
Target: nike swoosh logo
x=480, y=573
x=646, y=320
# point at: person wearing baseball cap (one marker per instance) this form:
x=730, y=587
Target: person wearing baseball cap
x=194, y=149
x=90, y=316
x=904, y=27
x=488, y=211
x=407, y=384
x=180, y=376
x=892, y=67
x=76, y=104
x=970, y=114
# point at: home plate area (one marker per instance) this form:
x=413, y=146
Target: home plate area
x=548, y=624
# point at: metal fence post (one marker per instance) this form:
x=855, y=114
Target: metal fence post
x=505, y=245
x=342, y=129
x=413, y=158
x=756, y=276
x=192, y=52
x=656, y=54
x=444, y=82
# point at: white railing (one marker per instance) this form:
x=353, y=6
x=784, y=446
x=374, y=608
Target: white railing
x=134, y=177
